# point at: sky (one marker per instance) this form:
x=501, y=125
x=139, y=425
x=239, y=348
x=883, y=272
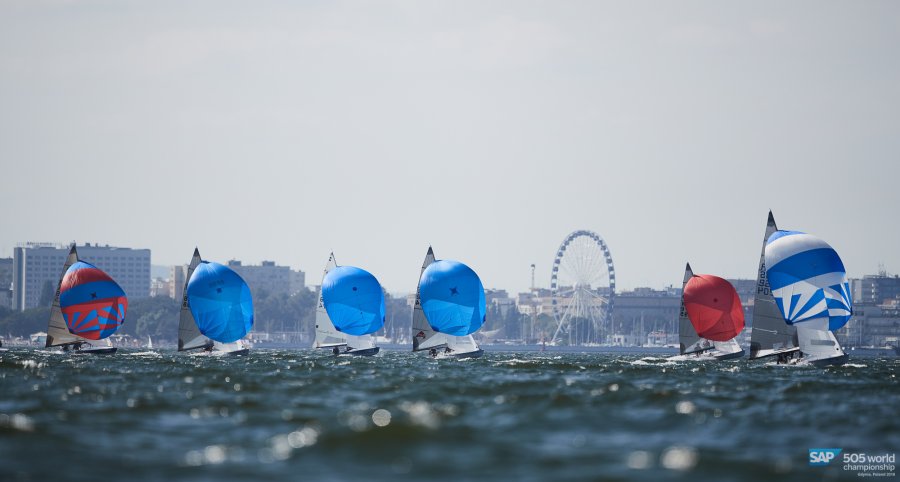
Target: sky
x=277, y=130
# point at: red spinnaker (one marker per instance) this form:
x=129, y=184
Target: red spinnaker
x=713, y=307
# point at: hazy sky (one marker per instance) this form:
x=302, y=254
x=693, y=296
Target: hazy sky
x=283, y=130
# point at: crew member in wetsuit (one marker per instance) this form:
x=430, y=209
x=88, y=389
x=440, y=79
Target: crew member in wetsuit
x=433, y=353
x=336, y=351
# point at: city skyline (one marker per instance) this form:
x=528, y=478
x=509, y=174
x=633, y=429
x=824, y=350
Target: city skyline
x=489, y=131
x=164, y=272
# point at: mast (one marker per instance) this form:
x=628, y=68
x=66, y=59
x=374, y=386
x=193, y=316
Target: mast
x=327, y=335
x=189, y=336
x=422, y=334
x=57, y=331
x=770, y=334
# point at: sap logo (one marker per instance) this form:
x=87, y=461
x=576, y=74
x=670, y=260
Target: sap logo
x=822, y=456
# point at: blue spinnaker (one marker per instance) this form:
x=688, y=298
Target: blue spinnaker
x=220, y=302
x=452, y=298
x=354, y=300
x=808, y=279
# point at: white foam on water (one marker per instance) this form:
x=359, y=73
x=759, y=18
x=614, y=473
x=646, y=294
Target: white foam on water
x=654, y=361
x=513, y=361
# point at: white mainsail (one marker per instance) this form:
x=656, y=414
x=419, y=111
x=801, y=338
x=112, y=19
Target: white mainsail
x=58, y=333
x=422, y=334
x=770, y=335
x=327, y=335
x=189, y=336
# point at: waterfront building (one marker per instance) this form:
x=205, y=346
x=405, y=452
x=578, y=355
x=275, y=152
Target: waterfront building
x=267, y=277
x=38, y=266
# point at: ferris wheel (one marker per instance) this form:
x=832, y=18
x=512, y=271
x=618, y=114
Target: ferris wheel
x=583, y=287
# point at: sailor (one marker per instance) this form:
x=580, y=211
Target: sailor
x=433, y=353
x=336, y=351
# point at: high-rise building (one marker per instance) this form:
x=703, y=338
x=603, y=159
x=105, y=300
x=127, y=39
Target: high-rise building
x=176, y=281
x=876, y=289
x=38, y=266
x=298, y=281
x=6, y=271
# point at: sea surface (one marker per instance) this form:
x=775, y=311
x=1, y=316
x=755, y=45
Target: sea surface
x=305, y=415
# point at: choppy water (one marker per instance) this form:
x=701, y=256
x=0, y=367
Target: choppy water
x=303, y=415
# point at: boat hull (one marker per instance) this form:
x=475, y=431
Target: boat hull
x=730, y=356
x=826, y=362
x=363, y=352
x=95, y=351
x=461, y=356
x=707, y=357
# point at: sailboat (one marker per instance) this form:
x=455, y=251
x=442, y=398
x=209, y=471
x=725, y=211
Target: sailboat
x=449, y=307
x=149, y=343
x=88, y=307
x=350, y=309
x=216, y=309
x=711, y=317
x=802, y=296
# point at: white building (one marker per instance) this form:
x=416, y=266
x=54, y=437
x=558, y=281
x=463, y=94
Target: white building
x=269, y=278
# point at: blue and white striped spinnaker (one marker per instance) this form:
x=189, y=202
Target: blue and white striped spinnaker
x=808, y=280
